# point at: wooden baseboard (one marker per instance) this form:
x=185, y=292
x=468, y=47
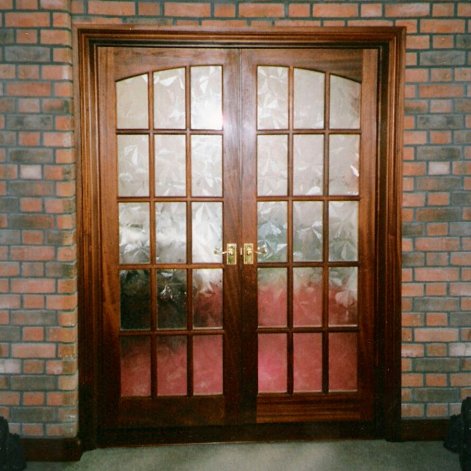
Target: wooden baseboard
x=424, y=430
x=44, y=449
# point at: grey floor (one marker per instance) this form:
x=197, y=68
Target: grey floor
x=376, y=455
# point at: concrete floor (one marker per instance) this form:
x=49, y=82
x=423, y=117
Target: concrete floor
x=375, y=455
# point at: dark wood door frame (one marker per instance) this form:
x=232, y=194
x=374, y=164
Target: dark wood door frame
x=390, y=43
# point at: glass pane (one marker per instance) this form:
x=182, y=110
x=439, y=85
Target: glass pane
x=343, y=364
x=308, y=165
x=207, y=364
x=307, y=230
x=131, y=103
x=133, y=233
x=272, y=224
x=343, y=231
x=171, y=299
x=272, y=297
x=344, y=164
x=135, y=299
x=272, y=165
x=207, y=232
x=307, y=296
x=170, y=168
x=171, y=366
x=170, y=222
x=307, y=362
x=169, y=99
x=206, y=97
x=207, y=298
x=272, y=363
x=206, y=165
x=343, y=296
x=135, y=366
x=133, y=165
x=308, y=99
x=272, y=97
x=344, y=103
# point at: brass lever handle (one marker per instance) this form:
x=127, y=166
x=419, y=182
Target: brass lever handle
x=249, y=253
x=230, y=252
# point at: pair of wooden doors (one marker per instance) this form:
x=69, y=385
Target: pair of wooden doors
x=236, y=190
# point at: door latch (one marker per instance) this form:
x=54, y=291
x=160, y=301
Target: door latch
x=249, y=253
x=230, y=253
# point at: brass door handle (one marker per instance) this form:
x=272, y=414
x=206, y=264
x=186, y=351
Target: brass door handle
x=249, y=253
x=230, y=252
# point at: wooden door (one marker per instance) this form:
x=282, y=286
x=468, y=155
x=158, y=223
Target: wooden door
x=237, y=206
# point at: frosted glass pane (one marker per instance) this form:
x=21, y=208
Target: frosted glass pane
x=170, y=222
x=307, y=362
x=169, y=99
x=343, y=363
x=207, y=298
x=170, y=165
x=206, y=165
x=133, y=165
x=272, y=363
x=343, y=231
x=272, y=97
x=134, y=232
x=171, y=299
x=308, y=165
x=272, y=229
x=344, y=103
x=131, y=103
x=343, y=296
x=206, y=97
x=135, y=304
x=135, y=366
x=307, y=296
x=272, y=297
x=308, y=99
x=207, y=364
x=171, y=366
x=272, y=165
x=207, y=232
x=344, y=164
x=307, y=230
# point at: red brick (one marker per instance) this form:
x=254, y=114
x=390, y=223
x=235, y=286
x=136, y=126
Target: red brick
x=441, y=91
x=464, y=9
x=224, y=10
x=183, y=9
x=408, y=10
x=55, y=36
x=436, y=335
x=29, y=89
x=442, y=26
x=299, y=9
x=27, y=20
x=334, y=10
x=62, y=301
x=33, y=398
x=33, y=285
x=34, y=350
x=33, y=334
x=111, y=8
x=26, y=36
x=32, y=253
x=261, y=10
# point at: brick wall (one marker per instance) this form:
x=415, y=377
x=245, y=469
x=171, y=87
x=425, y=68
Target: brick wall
x=38, y=315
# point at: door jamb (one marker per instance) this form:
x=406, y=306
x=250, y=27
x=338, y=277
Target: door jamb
x=390, y=42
